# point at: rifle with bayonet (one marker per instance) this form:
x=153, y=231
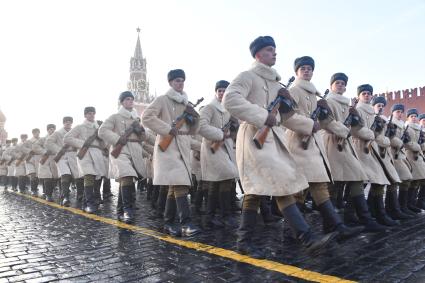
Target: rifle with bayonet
x=377, y=126
x=351, y=120
x=405, y=139
x=226, y=128
x=389, y=133
x=279, y=104
x=61, y=153
x=186, y=116
x=44, y=157
x=421, y=140
x=319, y=113
x=136, y=128
x=83, y=150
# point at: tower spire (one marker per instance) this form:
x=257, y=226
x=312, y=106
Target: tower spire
x=138, y=50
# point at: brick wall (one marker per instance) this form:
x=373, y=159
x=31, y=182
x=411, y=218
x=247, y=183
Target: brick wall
x=411, y=98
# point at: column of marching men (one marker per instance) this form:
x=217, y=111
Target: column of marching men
x=284, y=145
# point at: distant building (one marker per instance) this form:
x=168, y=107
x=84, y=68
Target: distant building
x=3, y=133
x=138, y=83
x=410, y=98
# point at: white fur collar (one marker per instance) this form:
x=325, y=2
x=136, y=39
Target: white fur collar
x=339, y=98
x=265, y=72
x=214, y=102
x=414, y=126
x=305, y=85
x=128, y=114
x=398, y=123
x=89, y=124
x=366, y=107
x=177, y=97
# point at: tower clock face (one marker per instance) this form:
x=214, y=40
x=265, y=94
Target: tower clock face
x=141, y=84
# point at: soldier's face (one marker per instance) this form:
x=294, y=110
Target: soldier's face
x=36, y=134
x=23, y=139
x=378, y=107
x=413, y=118
x=128, y=102
x=219, y=93
x=338, y=87
x=90, y=116
x=177, y=84
x=365, y=96
x=305, y=72
x=67, y=125
x=267, y=55
x=398, y=114
x=422, y=123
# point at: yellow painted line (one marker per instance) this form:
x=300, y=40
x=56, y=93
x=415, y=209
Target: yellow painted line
x=288, y=270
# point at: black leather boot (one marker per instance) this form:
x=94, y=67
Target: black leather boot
x=224, y=198
x=350, y=216
x=403, y=196
x=91, y=206
x=169, y=215
x=183, y=210
x=211, y=220
x=420, y=203
x=21, y=183
x=149, y=189
x=49, y=187
x=155, y=194
x=244, y=243
x=14, y=183
x=106, y=189
x=162, y=198
x=97, y=196
x=412, y=196
x=332, y=222
x=201, y=192
x=381, y=215
x=124, y=208
x=34, y=185
x=79, y=183
x=302, y=232
x=365, y=218
x=393, y=207
x=266, y=211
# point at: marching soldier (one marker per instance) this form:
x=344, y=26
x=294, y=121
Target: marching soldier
x=218, y=165
x=367, y=149
x=396, y=204
x=92, y=157
x=10, y=158
x=32, y=161
x=421, y=197
x=343, y=159
x=309, y=151
x=382, y=152
x=3, y=164
x=172, y=166
x=271, y=170
x=65, y=158
x=415, y=157
x=123, y=129
x=195, y=162
x=47, y=170
x=20, y=172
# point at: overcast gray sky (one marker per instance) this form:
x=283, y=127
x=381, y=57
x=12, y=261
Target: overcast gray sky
x=56, y=57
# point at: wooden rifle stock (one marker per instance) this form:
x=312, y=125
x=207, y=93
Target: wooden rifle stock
x=116, y=151
x=314, y=116
x=165, y=141
x=348, y=121
x=368, y=144
x=83, y=150
x=20, y=159
x=30, y=155
x=262, y=133
x=44, y=158
x=216, y=145
x=61, y=152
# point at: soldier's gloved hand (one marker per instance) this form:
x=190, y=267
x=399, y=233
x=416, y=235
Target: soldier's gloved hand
x=325, y=110
x=191, y=111
x=287, y=105
x=353, y=111
x=406, y=138
x=316, y=127
x=122, y=140
x=138, y=129
x=226, y=135
x=270, y=121
x=173, y=131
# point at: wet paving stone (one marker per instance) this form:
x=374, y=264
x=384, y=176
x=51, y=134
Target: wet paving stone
x=40, y=243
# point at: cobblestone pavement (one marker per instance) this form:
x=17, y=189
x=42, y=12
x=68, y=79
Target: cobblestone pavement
x=42, y=243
